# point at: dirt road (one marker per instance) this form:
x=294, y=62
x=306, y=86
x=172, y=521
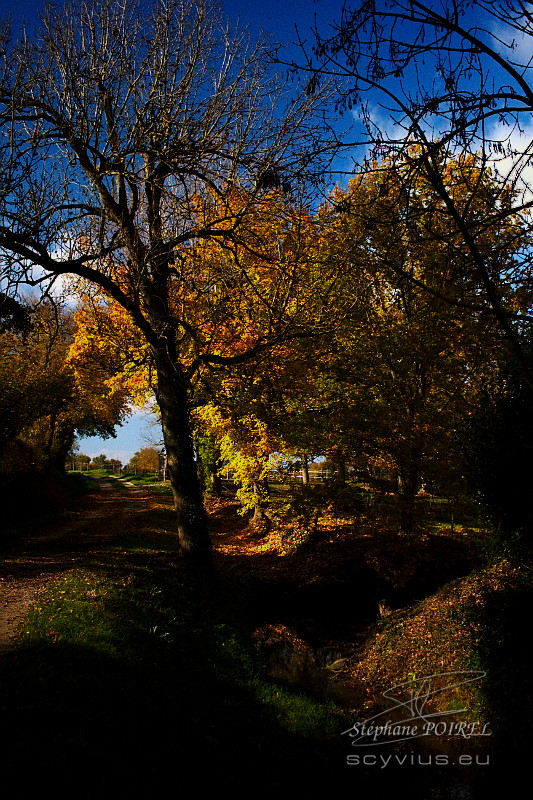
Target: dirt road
x=29, y=564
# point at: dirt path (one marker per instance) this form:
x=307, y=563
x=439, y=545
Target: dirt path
x=28, y=565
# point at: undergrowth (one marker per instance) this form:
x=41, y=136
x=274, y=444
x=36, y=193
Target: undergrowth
x=139, y=672
x=29, y=500
x=141, y=667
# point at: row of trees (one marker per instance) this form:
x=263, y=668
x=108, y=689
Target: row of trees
x=159, y=162
x=146, y=460
x=393, y=381
x=82, y=462
x=388, y=384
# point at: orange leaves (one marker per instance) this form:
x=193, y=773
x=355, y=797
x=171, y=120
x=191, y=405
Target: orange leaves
x=240, y=284
x=106, y=339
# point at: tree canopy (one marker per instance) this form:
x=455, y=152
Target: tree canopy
x=133, y=135
x=434, y=82
x=44, y=399
x=158, y=170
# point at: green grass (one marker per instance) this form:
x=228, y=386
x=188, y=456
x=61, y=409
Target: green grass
x=97, y=473
x=144, y=670
x=73, y=611
x=149, y=611
x=142, y=480
x=80, y=483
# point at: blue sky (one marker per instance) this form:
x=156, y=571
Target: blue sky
x=272, y=16
x=275, y=17
x=279, y=17
x=140, y=430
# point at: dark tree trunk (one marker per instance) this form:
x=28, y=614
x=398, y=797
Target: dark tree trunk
x=64, y=441
x=407, y=511
x=171, y=395
x=200, y=468
x=215, y=481
x=59, y=441
x=410, y=456
x=408, y=489
x=341, y=471
x=305, y=471
x=47, y=449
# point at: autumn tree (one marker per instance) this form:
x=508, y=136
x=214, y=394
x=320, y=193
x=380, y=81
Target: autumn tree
x=99, y=462
x=434, y=81
x=145, y=460
x=392, y=381
x=76, y=459
x=44, y=400
x=127, y=132
x=27, y=391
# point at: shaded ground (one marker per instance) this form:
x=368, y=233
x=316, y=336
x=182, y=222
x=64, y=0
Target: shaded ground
x=329, y=590
x=333, y=588
x=328, y=594
x=30, y=563
x=145, y=712
x=136, y=721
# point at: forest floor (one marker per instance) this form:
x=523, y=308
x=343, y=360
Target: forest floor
x=119, y=671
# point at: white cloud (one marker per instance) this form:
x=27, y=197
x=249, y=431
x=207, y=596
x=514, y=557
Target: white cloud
x=516, y=163
x=382, y=123
x=514, y=45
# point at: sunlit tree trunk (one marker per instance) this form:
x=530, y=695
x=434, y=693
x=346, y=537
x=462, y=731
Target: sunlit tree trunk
x=260, y=521
x=215, y=481
x=213, y=470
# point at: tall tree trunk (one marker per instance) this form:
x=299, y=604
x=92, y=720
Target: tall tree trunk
x=408, y=489
x=305, y=471
x=407, y=509
x=47, y=449
x=64, y=439
x=200, y=466
x=171, y=395
x=341, y=471
x=213, y=470
x=260, y=522
x=410, y=454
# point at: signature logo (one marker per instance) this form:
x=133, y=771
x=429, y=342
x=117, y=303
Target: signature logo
x=410, y=699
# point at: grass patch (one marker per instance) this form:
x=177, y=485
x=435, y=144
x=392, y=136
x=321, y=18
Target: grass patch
x=144, y=480
x=97, y=473
x=74, y=611
x=141, y=667
x=80, y=483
